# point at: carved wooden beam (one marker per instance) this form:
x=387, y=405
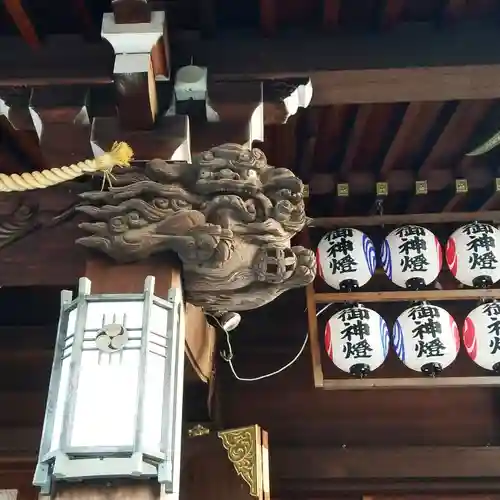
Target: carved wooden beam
x=61, y=120
x=133, y=30
x=236, y=254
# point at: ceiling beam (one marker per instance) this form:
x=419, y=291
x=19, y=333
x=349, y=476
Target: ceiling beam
x=326, y=469
x=323, y=469
x=389, y=220
x=411, y=64
x=62, y=59
x=414, y=64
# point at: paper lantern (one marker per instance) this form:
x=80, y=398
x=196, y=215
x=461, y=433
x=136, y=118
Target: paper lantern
x=114, y=407
x=473, y=254
x=481, y=335
x=346, y=258
x=411, y=257
x=357, y=340
x=426, y=338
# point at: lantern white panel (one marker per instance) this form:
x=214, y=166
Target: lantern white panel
x=357, y=338
x=473, y=254
x=346, y=255
x=154, y=386
x=426, y=338
x=481, y=335
x=128, y=314
x=411, y=253
x=106, y=399
x=63, y=393
x=106, y=396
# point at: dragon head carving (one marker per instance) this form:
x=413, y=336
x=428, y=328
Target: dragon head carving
x=228, y=215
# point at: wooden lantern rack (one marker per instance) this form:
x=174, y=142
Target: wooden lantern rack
x=315, y=299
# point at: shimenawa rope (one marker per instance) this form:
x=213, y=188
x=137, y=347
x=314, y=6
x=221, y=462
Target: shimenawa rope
x=120, y=155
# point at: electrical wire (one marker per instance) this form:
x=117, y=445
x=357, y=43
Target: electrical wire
x=228, y=356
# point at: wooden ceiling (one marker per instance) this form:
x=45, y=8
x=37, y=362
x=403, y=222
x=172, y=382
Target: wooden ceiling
x=359, y=143
x=36, y=19
x=362, y=129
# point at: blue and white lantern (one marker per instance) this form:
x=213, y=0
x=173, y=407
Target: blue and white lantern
x=473, y=254
x=426, y=338
x=346, y=258
x=411, y=257
x=481, y=336
x=357, y=340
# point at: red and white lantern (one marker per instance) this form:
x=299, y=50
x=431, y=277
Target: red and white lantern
x=411, y=257
x=426, y=338
x=357, y=340
x=473, y=254
x=481, y=336
x=346, y=258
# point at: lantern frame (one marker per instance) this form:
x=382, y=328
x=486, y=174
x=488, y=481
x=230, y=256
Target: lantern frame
x=67, y=462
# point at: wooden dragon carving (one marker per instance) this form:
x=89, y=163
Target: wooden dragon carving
x=228, y=215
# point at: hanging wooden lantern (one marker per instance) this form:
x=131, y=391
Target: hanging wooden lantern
x=346, y=258
x=426, y=338
x=473, y=254
x=411, y=257
x=481, y=335
x=357, y=340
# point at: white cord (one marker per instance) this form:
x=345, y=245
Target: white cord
x=228, y=357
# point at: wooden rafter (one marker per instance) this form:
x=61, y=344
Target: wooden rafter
x=268, y=21
x=23, y=22
x=454, y=9
x=391, y=12
x=455, y=137
x=331, y=13
x=416, y=123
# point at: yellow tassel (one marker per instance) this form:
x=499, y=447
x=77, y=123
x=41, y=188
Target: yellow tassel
x=120, y=155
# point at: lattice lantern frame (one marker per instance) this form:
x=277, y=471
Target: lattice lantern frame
x=114, y=407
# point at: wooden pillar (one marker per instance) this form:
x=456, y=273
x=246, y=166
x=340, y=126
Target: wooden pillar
x=108, y=277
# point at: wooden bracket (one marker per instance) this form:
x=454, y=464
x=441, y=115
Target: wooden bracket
x=61, y=120
x=234, y=113
x=170, y=139
x=283, y=98
x=133, y=35
x=14, y=107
